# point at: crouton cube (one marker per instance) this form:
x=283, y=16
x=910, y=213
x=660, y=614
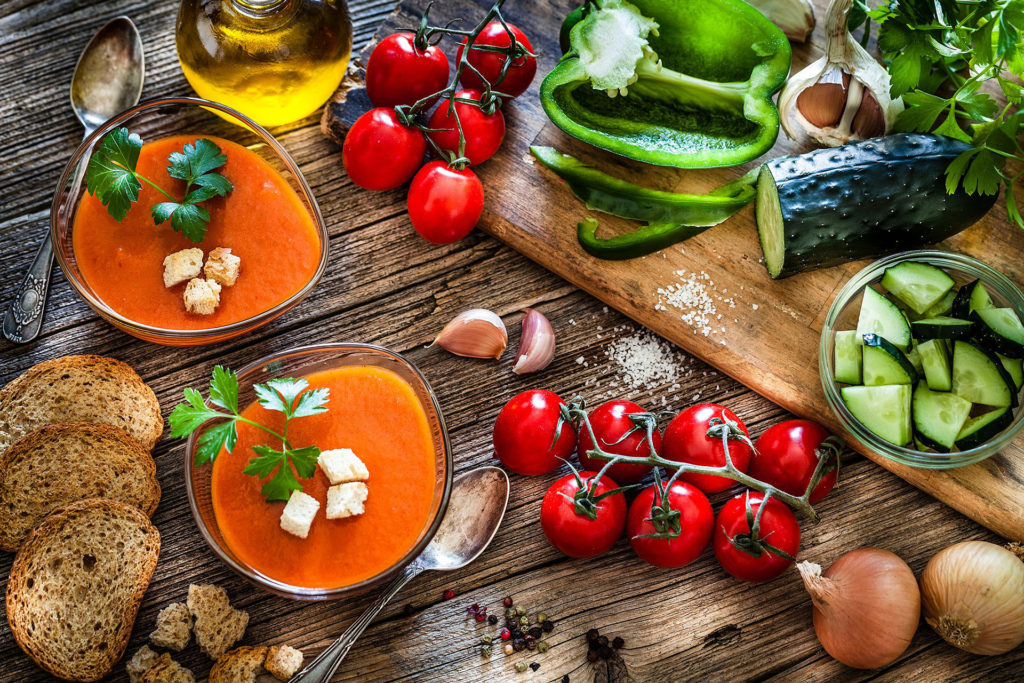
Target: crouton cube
x=173, y=627
x=283, y=661
x=182, y=265
x=218, y=625
x=346, y=500
x=202, y=296
x=298, y=513
x=222, y=266
x=140, y=662
x=341, y=465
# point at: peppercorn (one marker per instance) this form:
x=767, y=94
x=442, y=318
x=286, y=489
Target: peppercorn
x=541, y=618
x=618, y=642
x=531, y=644
x=509, y=649
x=592, y=656
x=485, y=651
x=565, y=678
x=520, y=667
x=480, y=617
x=605, y=652
x=524, y=621
x=542, y=646
x=486, y=640
x=505, y=634
x=548, y=626
x=408, y=610
x=449, y=594
x=519, y=644
x=592, y=635
x=492, y=620
x=507, y=602
x=536, y=631
x=534, y=666
x=520, y=610
x=602, y=641
x=510, y=613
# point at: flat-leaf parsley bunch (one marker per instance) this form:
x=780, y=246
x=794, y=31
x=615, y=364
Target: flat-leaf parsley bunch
x=293, y=397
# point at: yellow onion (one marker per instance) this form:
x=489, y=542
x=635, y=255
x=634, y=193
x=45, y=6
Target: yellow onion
x=866, y=606
x=973, y=596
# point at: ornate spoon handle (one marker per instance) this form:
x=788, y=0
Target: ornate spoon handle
x=25, y=313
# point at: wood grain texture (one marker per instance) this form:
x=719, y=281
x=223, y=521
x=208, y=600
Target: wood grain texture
x=386, y=286
x=763, y=333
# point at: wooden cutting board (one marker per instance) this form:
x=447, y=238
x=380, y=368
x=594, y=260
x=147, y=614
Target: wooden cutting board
x=710, y=295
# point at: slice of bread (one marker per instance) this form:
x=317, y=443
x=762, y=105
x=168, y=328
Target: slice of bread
x=166, y=670
x=65, y=462
x=217, y=625
x=79, y=389
x=241, y=665
x=76, y=585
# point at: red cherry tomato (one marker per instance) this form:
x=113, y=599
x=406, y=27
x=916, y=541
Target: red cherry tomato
x=695, y=524
x=445, y=203
x=686, y=440
x=786, y=455
x=576, y=534
x=524, y=433
x=751, y=557
x=484, y=132
x=380, y=153
x=520, y=72
x=400, y=73
x=611, y=422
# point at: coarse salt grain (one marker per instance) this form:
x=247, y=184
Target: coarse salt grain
x=645, y=361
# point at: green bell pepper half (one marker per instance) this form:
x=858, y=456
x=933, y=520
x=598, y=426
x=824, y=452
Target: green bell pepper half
x=671, y=216
x=683, y=83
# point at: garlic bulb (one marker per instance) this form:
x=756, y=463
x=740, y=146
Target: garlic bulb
x=794, y=17
x=476, y=333
x=536, y=345
x=973, y=596
x=843, y=96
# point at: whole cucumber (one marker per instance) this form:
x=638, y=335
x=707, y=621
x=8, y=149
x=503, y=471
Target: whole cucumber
x=860, y=200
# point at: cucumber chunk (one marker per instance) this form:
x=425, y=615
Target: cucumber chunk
x=938, y=416
x=943, y=307
x=979, y=377
x=971, y=297
x=847, y=357
x=941, y=328
x=886, y=364
x=1014, y=368
x=880, y=316
x=919, y=285
x=883, y=410
x=914, y=356
x=1000, y=330
x=935, y=363
x=982, y=428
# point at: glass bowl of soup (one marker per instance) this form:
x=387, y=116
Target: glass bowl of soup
x=380, y=407
x=269, y=220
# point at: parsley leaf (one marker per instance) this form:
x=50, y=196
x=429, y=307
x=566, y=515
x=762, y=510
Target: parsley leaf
x=284, y=482
x=110, y=175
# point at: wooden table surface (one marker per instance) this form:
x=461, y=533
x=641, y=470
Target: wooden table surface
x=386, y=286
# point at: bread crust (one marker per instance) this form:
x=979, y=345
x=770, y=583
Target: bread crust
x=59, y=532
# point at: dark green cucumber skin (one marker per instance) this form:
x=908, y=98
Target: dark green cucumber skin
x=989, y=339
x=870, y=198
x=962, y=301
x=987, y=432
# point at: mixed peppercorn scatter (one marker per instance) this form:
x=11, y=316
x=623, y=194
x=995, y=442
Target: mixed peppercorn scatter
x=519, y=632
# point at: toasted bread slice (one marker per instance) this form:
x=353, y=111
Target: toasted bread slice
x=62, y=463
x=76, y=585
x=166, y=670
x=241, y=665
x=79, y=389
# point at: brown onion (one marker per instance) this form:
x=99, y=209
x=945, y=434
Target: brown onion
x=973, y=596
x=866, y=606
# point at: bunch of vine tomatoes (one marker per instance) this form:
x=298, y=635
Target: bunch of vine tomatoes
x=670, y=522
x=406, y=75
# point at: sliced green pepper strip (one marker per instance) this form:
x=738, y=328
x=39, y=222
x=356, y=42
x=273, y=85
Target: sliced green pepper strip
x=672, y=216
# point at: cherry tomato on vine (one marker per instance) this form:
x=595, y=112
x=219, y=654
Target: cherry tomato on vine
x=787, y=453
x=445, y=203
x=686, y=439
x=651, y=523
x=380, y=153
x=524, y=433
x=569, y=526
x=484, y=132
x=761, y=554
x=398, y=72
x=611, y=423
x=520, y=72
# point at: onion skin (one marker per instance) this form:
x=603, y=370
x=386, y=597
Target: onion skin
x=866, y=606
x=973, y=596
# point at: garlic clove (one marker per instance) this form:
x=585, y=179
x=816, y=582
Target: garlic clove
x=536, y=344
x=794, y=17
x=476, y=333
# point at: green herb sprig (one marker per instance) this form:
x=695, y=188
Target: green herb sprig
x=286, y=395
x=111, y=176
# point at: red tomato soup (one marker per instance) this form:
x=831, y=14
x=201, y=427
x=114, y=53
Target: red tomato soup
x=375, y=413
x=263, y=221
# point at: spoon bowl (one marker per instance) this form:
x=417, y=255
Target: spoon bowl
x=109, y=74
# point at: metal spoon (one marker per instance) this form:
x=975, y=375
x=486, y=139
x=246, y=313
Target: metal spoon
x=475, y=511
x=107, y=80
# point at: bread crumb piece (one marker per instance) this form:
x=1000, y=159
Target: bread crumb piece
x=218, y=625
x=341, y=465
x=202, y=296
x=283, y=661
x=140, y=661
x=241, y=665
x=298, y=513
x=166, y=670
x=182, y=265
x=222, y=266
x=346, y=500
x=173, y=627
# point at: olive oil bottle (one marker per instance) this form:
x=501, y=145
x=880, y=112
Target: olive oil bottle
x=276, y=61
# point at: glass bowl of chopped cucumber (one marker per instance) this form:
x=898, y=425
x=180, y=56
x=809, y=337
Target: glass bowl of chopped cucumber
x=921, y=358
